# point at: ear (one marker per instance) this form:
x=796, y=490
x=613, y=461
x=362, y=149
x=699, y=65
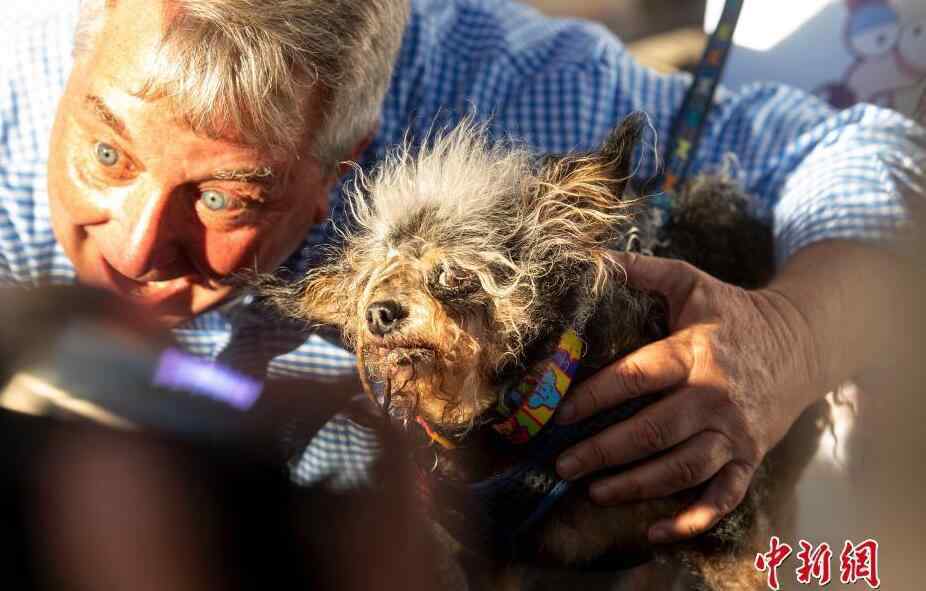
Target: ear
x=577, y=212
x=315, y=299
x=585, y=192
x=619, y=146
x=324, y=297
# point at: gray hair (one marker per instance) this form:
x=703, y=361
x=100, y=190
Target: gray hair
x=249, y=64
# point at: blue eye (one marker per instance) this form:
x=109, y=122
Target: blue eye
x=214, y=200
x=106, y=154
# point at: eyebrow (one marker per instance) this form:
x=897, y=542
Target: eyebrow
x=102, y=112
x=261, y=175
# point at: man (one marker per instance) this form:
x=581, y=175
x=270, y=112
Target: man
x=197, y=138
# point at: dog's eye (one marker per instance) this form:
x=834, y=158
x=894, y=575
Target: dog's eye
x=446, y=279
x=449, y=283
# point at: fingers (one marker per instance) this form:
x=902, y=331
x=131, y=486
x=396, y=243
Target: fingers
x=690, y=464
x=653, y=368
x=654, y=429
x=723, y=495
x=673, y=279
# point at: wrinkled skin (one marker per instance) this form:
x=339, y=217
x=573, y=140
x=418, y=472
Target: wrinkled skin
x=138, y=200
x=725, y=410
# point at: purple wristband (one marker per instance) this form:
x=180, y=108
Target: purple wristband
x=177, y=370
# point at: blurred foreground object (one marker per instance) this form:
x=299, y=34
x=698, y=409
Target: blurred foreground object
x=155, y=485
x=73, y=353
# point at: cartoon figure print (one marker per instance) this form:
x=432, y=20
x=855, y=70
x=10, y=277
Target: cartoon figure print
x=547, y=394
x=889, y=67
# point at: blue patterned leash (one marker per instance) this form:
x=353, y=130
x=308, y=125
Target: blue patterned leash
x=689, y=123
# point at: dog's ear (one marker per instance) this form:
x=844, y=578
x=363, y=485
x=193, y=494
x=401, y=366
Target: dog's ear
x=584, y=192
x=619, y=146
x=318, y=298
x=325, y=297
x=577, y=211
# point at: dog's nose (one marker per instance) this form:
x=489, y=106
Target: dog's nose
x=384, y=316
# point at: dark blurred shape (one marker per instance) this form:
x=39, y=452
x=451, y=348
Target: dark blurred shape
x=77, y=353
x=838, y=94
x=113, y=480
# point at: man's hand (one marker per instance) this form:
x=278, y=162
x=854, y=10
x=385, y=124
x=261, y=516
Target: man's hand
x=739, y=367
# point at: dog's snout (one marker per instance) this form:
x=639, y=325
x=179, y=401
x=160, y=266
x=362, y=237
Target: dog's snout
x=383, y=317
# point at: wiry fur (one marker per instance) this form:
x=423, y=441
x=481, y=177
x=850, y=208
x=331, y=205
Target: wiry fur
x=491, y=254
x=519, y=239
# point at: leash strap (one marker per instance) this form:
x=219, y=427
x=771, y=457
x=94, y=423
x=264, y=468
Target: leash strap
x=689, y=123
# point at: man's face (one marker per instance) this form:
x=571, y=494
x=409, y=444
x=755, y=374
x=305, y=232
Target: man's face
x=145, y=207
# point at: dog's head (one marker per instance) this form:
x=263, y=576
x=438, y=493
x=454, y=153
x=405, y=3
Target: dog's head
x=465, y=261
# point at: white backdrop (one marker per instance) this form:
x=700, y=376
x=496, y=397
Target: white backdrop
x=874, y=50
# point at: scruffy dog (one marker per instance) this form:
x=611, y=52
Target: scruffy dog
x=465, y=263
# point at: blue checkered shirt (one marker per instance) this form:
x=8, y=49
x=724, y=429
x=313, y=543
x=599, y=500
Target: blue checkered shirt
x=558, y=85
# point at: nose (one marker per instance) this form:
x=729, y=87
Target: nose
x=383, y=317
x=141, y=244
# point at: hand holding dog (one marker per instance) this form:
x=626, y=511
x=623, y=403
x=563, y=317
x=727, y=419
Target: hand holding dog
x=739, y=367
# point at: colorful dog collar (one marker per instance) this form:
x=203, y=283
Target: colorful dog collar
x=527, y=407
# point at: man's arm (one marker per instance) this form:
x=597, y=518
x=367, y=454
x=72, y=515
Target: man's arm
x=816, y=173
